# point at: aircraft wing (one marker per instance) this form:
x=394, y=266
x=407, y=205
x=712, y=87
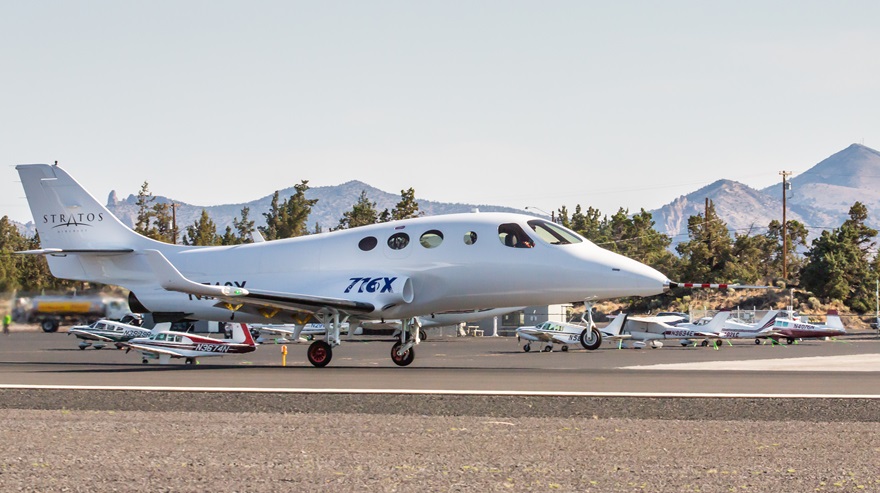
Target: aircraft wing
x=540, y=334
x=171, y=279
x=153, y=350
x=89, y=335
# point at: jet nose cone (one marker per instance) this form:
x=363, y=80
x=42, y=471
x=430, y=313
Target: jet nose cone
x=634, y=278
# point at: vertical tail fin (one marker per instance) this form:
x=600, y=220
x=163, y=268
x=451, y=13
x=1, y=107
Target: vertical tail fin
x=833, y=320
x=242, y=334
x=717, y=322
x=768, y=320
x=616, y=325
x=67, y=217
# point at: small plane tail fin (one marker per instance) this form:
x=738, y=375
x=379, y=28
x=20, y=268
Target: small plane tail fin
x=833, y=320
x=717, y=322
x=616, y=325
x=242, y=334
x=68, y=217
x=768, y=320
x=161, y=327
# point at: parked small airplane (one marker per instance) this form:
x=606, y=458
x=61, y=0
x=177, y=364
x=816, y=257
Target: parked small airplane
x=388, y=271
x=790, y=329
x=651, y=331
x=99, y=333
x=566, y=333
x=764, y=328
x=167, y=344
x=557, y=332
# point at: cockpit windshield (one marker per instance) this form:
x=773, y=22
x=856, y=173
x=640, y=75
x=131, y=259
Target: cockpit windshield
x=553, y=233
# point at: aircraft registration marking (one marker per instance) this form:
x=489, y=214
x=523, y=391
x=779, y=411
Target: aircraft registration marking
x=212, y=348
x=371, y=284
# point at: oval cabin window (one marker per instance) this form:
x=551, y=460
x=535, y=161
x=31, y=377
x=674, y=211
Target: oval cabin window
x=368, y=243
x=398, y=241
x=431, y=239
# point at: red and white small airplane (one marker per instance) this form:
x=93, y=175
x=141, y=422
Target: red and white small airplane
x=167, y=344
x=790, y=329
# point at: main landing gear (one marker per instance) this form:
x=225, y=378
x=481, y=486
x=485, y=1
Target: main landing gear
x=320, y=352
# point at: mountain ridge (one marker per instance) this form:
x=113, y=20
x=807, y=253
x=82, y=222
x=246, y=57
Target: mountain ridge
x=819, y=198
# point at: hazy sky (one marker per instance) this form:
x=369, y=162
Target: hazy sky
x=610, y=104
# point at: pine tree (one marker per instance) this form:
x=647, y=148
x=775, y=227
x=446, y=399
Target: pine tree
x=203, y=232
x=362, y=213
x=270, y=230
x=838, y=264
x=145, y=211
x=163, y=227
x=244, y=227
x=706, y=256
x=407, y=207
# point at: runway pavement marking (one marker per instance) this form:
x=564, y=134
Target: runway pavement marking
x=258, y=390
x=855, y=362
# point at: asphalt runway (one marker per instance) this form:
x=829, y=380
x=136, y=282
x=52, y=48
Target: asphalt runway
x=468, y=414
x=470, y=364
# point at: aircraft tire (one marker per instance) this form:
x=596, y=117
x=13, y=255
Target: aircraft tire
x=190, y=361
x=527, y=348
x=591, y=339
x=564, y=349
x=789, y=341
x=320, y=353
x=757, y=341
x=145, y=361
x=719, y=343
x=83, y=347
x=423, y=336
x=705, y=343
x=547, y=349
x=402, y=360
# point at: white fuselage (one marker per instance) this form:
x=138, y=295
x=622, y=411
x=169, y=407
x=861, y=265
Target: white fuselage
x=445, y=263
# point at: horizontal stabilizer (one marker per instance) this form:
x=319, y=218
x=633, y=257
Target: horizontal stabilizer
x=171, y=279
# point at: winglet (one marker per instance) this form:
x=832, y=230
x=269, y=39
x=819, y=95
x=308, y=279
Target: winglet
x=171, y=279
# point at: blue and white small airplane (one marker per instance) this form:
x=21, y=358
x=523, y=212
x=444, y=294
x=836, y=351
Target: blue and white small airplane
x=396, y=270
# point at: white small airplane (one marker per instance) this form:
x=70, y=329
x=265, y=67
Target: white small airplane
x=559, y=333
x=586, y=333
x=651, y=331
x=98, y=334
x=764, y=328
x=388, y=271
x=166, y=344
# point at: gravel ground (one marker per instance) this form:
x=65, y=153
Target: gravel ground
x=84, y=447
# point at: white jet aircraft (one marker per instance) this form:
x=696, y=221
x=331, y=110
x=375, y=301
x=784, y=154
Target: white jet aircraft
x=388, y=271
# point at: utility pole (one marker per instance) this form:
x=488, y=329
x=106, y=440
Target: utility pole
x=785, y=187
x=174, y=221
